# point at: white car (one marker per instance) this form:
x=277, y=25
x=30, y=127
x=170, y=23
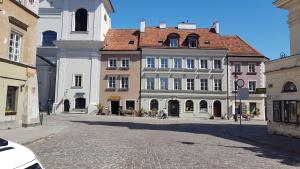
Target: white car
x=16, y=156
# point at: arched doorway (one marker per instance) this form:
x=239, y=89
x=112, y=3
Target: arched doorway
x=154, y=105
x=173, y=108
x=80, y=103
x=66, y=106
x=217, y=109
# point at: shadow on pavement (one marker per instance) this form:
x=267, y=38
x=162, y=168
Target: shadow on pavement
x=225, y=131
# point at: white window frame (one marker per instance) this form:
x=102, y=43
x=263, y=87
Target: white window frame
x=164, y=66
x=15, y=53
x=192, y=87
x=147, y=80
x=196, y=43
x=126, y=60
x=254, y=68
x=112, y=59
x=205, y=87
x=255, y=82
x=220, y=85
x=148, y=65
x=239, y=66
x=74, y=80
x=113, y=84
x=172, y=44
x=179, y=84
x=201, y=67
x=167, y=83
x=187, y=63
x=215, y=64
x=124, y=86
x=174, y=66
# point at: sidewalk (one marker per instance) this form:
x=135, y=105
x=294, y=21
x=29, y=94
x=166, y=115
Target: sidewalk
x=28, y=135
x=278, y=141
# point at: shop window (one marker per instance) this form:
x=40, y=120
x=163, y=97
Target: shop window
x=11, y=101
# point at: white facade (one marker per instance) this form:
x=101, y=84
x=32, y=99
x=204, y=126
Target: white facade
x=164, y=97
x=80, y=27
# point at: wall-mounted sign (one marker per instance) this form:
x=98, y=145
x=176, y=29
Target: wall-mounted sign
x=261, y=91
x=243, y=94
x=114, y=98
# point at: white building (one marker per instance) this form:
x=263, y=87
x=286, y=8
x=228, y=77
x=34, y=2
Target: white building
x=78, y=29
x=182, y=72
x=283, y=80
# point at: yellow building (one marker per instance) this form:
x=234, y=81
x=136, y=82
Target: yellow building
x=18, y=78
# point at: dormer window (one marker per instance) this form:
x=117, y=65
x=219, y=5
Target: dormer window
x=173, y=40
x=192, y=40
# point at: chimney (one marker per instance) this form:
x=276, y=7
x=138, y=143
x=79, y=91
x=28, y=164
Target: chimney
x=216, y=26
x=162, y=25
x=143, y=25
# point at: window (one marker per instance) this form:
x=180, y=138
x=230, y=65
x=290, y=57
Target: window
x=174, y=43
x=15, y=47
x=277, y=111
x=190, y=84
x=163, y=83
x=111, y=82
x=203, y=64
x=177, y=84
x=290, y=87
x=154, y=105
x=80, y=103
x=237, y=68
x=217, y=64
x=150, y=83
x=112, y=63
x=49, y=37
x=218, y=84
x=150, y=62
x=11, y=100
x=164, y=63
x=252, y=86
x=77, y=81
x=130, y=105
x=204, y=84
x=190, y=63
x=251, y=68
x=81, y=17
x=125, y=63
x=193, y=43
x=189, y=106
x=177, y=63
x=286, y=111
x=124, y=83
x=203, y=106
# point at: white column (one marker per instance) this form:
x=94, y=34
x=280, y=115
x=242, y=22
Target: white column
x=94, y=82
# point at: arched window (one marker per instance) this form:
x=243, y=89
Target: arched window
x=154, y=105
x=81, y=17
x=290, y=87
x=173, y=39
x=80, y=103
x=203, y=106
x=49, y=37
x=192, y=40
x=189, y=106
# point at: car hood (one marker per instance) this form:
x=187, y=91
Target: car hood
x=14, y=155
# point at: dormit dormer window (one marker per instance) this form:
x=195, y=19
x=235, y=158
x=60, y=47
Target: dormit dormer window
x=192, y=40
x=173, y=40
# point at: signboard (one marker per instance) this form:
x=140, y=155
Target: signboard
x=243, y=94
x=261, y=91
x=114, y=98
x=240, y=83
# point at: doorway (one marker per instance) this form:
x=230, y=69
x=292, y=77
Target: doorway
x=115, y=105
x=66, y=106
x=173, y=108
x=217, y=109
x=80, y=103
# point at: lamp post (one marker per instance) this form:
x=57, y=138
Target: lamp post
x=235, y=92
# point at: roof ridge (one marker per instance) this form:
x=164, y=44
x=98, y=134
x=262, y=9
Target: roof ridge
x=249, y=45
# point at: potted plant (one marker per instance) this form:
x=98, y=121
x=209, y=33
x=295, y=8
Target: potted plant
x=100, y=109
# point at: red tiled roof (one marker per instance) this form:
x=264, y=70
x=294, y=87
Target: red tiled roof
x=154, y=37
x=121, y=39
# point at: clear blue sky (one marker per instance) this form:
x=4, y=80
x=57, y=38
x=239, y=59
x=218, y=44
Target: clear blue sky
x=259, y=22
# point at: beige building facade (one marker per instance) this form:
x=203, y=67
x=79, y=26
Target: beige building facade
x=283, y=80
x=18, y=78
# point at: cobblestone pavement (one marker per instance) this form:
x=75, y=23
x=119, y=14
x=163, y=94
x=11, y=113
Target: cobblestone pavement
x=95, y=142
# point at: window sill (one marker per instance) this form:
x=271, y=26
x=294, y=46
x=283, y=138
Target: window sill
x=218, y=70
x=110, y=89
x=149, y=69
x=124, y=89
x=190, y=70
x=75, y=87
x=251, y=73
x=237, y=73
x=203, y=70
x=111, y=68
x=177, y=69
x=124, y=68
x=163, y=69
x=79, y=32
x=10, y=113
